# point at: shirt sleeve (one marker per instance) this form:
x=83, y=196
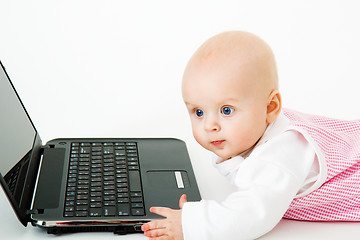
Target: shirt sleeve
x=266, y=181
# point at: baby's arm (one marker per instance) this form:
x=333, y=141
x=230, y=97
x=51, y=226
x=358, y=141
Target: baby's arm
x=267, y=182
x=169, y=228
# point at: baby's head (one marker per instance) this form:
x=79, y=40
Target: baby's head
x=230, y=88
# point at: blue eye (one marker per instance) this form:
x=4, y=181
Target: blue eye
x=199, y=113
x=227, y=110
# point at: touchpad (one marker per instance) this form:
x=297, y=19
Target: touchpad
x=168, y=179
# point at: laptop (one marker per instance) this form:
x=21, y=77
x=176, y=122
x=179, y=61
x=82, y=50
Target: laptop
x=76, y=185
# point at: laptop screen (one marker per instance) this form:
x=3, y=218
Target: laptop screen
x=17, y=136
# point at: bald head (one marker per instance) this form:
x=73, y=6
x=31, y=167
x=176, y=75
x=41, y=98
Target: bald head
x=230, y=91
x=244, y=52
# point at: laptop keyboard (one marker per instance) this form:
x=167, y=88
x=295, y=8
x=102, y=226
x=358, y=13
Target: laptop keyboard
x=103, y=180
x=11, y=178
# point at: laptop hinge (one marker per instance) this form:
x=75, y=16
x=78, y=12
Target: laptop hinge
x=32, y=211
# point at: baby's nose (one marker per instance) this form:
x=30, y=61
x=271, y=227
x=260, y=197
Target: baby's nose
x=211, y=124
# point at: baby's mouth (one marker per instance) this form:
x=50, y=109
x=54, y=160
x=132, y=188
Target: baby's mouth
x=217, y=143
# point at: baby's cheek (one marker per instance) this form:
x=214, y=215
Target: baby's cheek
x=197, y=136
x=199, y=139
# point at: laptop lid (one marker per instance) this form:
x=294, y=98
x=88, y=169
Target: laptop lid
x=19, y=148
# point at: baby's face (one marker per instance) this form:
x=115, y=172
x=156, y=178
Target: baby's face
x=227, y=108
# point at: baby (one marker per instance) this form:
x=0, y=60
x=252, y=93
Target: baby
x=283, y=163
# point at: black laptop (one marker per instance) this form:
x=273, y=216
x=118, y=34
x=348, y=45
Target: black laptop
x=74, y=185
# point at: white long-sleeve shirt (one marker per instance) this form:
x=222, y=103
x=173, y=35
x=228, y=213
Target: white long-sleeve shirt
x=281, y=167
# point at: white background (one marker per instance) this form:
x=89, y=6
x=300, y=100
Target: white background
x=114, y=68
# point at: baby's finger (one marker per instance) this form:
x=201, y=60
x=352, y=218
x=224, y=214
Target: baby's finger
x=165, y=237
x=182, y=200
x=162, y=211
x=155, y=233
x=156, y=224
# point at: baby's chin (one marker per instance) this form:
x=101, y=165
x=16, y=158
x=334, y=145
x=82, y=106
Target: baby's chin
x=219, y=152
x=224, y=157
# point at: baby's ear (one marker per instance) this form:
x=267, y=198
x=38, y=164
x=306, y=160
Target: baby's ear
x=274, y=106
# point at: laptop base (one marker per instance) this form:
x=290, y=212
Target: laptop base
x=116, y=229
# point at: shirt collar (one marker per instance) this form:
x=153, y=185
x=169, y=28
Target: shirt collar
x=277, y=127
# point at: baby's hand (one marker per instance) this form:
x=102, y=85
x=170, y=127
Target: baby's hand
x=165, y=229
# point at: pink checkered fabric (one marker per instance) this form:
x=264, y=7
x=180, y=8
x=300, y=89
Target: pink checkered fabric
x=338, y=199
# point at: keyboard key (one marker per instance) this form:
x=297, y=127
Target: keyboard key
x=96, y=184
x=96, y=149
x=122, y=190
x=81, y=208
x=123, y=200
x=69, y=209
x=109, y=211
x=136, y=199
x=83, y=192
x=123, y=209
x=135, y=194
x=109, y=203
x=108, y=150
x=95, y=212
x=84, y=150
x=81, y=202
x=83, y=187
x=133, y=168
x=133, y=163
x=83, y=177
x=84, y=168
x=137, y=211
x=96, y=205
x=72, y=193
x=106, y=183
x=96, y=194
x=68, y=214
x=95, y=189
x=109, y=192
x=82, y=197
x=81, y=213
x=109, y=187
x=109, y=173
x=109, y=198
x=83, y=182
x=109, y=178
x=123, y=194
x=96, y=170
x=72, y=198
x=137, y=205
x=119, y=152
x=134, y=179
x=96, y=179
x=122, y=185
x=95, y=199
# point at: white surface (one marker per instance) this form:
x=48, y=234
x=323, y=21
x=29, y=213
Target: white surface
x=211, y=185
x=111, y=68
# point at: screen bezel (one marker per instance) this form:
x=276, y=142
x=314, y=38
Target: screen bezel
x=22, y=206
